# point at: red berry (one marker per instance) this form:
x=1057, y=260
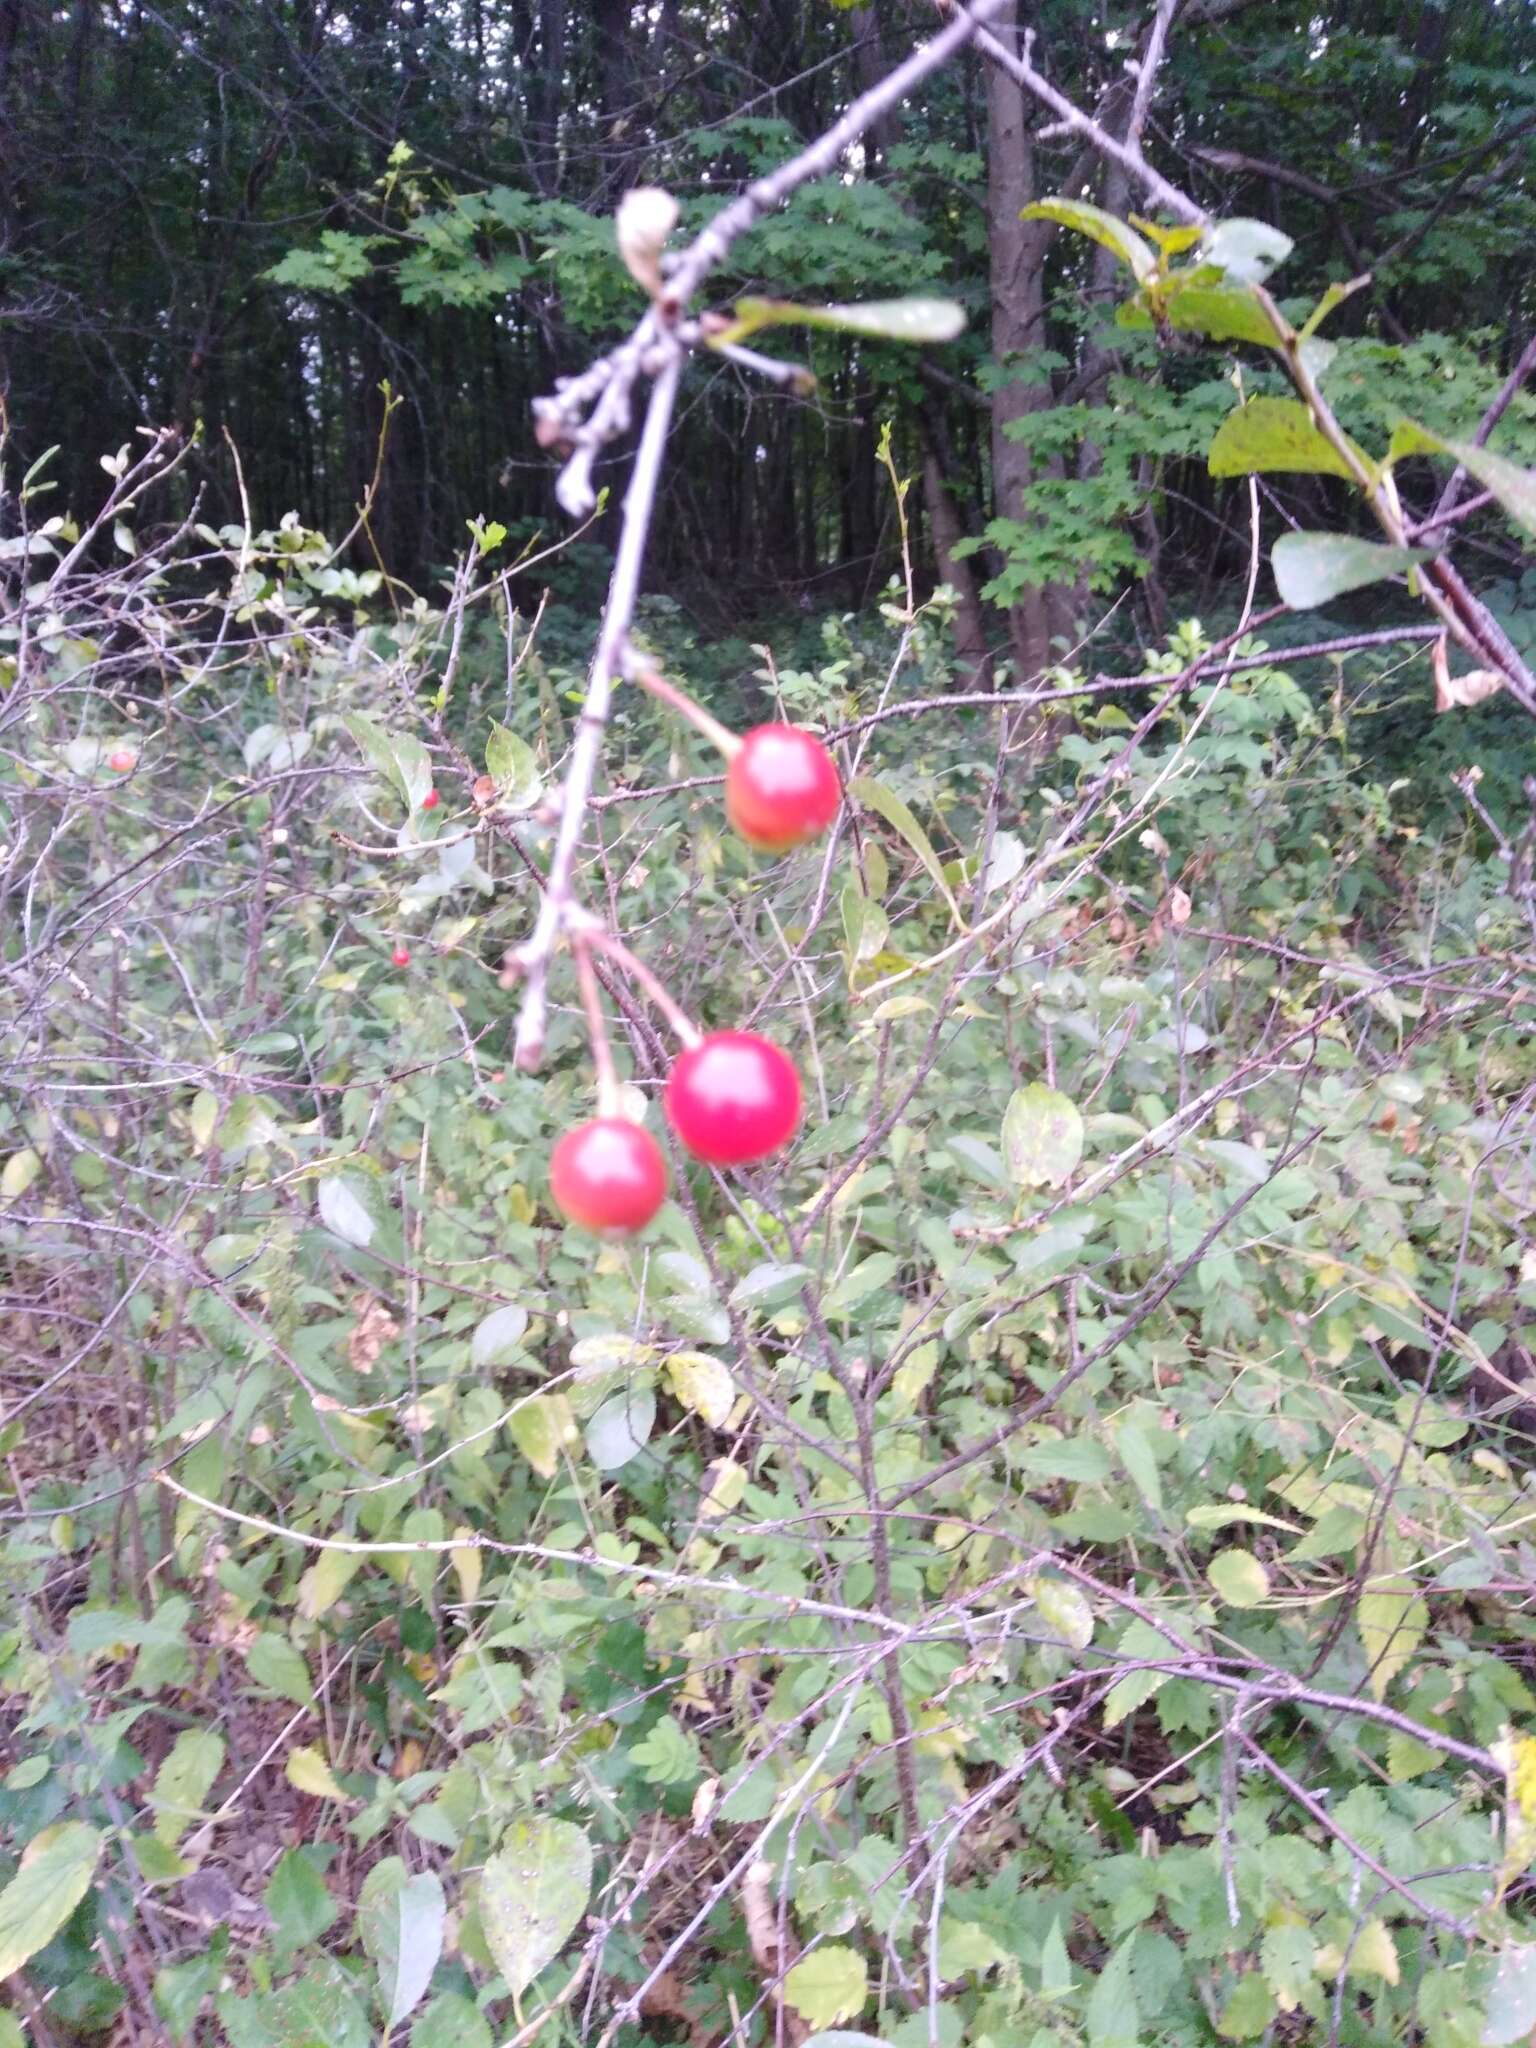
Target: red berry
x=733, y=1098
x=431, y=800
x=781, y=788
x=123, y=761
x=401, y=956
x=608, y=1176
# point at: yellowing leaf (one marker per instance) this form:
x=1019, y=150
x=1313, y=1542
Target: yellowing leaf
x=1238, y=1577
x=874, y=796
x=828, y=1985
x=1374, y=1953
x=326, y=1580
x=1391, y=1619
x=533, y=1892
x=20, y=1170
x=307, y=1771
x=1276, y=434
x=703, y=1384
x=468, y=1562
x=1064, y=1609
x=183, y=1781
x=56, y=1870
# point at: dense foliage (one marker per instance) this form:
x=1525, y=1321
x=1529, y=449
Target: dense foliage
x=1042, y=1557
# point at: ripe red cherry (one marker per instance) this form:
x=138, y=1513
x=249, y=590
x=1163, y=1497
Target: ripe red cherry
x=609, y=1176
x=431, y=800
x=733, y=1098
x=781, y=788
x=123, y=761
x=401, y=956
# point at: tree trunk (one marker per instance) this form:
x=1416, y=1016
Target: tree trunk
x=972, y=654
x=1017, y=261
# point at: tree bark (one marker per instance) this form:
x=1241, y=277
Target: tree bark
x=1017, y=262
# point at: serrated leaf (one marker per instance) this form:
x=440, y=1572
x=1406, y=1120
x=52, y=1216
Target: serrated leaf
x=342, y=1213
x=540, y=1425
x=274, y=1662
x=1138, y=255
x=885, y=803
x=1064, y=1609
x=1285, y=1957
x=1269, y=435
x=1514, y=487
x=297, y=1898
x=498, y=1335
x=1238, y=1577
x=667, y=1754
x=56, y=1871
x=829, y=1984
x=533, y=1892
x=183, y=1781
x=621, y=1428
x=1112, y=2018
x=400, y=1920
x=703, y=1384
x=1311, y=568
x=308, y=1771
x=1042, y=1136
x=1391, y=1619
x=1375, y=1953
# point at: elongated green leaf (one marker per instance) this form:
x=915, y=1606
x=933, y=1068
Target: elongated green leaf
x=1311, y=568
x=183, y=1781
x=1391, y=1619
x=887, y=804
x=399, y=757
x=621, y=1427
x=1101, y=227
x=1514, y=487
x=56, y=1870
x=533, y=1892
x=400, y=1919
x=910, y=320
x=1270, y=435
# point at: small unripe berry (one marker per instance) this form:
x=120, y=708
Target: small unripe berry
x=733, y=1098
x=609, y=1176
x=401, y=956
x=781, y=788
x=122, y=761
x=431, y=800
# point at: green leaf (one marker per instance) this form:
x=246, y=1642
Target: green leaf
x=1248, y=2011
x=1055, y=1964
x=1285, y=1957
x=513, y=766
x=1042, y=1136
x=1391, y=1618
x=18, y=1173
x=1136, y=1456
x=1112, y=2018
x=56, y=1871
x=1075, y=1458
x=1511, y=2010
x=768, y=1285
x=1275, y=434
x=451, y=2021
x=184, y=1780
x=874, y=796
x=402, y=759
x=343, y=1213
x=1311, y=568
x=180, y=1988
x=498, y=1336
x=533, y=1892
x=400, y=1920
x=321, y=1586
x=1238, y=1577
x=296, y=1897
x=621, y=1428
x=1064, y=1609
x=1514, y=487
x=1138, y=255
x=1247, y=250
x=840, y=2037
x=906, y=320
x=828, y=1985
x=1220, y=1514
x=1221, y=312
x=274, y=1662
x=668, y=1755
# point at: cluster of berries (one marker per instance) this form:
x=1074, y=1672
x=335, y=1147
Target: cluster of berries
x=732, y=1097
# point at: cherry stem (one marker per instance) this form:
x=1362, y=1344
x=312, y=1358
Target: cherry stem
x=683, y=1026
x=640, y=672
x=610, y=1101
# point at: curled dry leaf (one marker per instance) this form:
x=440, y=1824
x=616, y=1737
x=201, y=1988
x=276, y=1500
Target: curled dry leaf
x=374, y=1328
x=1179, y=906
x=1457, y=693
